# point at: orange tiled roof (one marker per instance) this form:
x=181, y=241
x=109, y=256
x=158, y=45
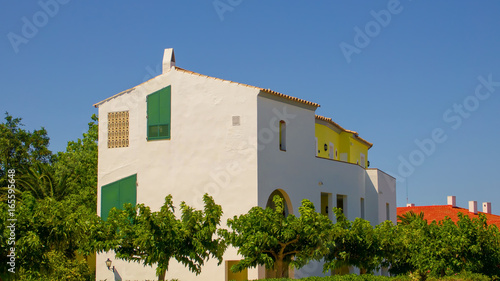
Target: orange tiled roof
x=329, y=120
x=246, y=85
x=439, y=212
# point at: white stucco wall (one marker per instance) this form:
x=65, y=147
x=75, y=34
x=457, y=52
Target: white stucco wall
x=206, y=153
x=386, y=188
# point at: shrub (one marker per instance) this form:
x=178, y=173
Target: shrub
x=467, y=276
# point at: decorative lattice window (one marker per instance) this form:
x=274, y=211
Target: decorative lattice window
x=118, y=129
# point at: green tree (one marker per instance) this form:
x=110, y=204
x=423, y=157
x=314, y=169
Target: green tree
x=41, y=181
x=268, y=237
x=55, y=204
x=19, y=148
x=154, y=238
x=480, y=245
x=78, y=165
x=444, y=247
x=47, y=232
x=410, y=216
x=356, y=243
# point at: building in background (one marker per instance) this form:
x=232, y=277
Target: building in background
x=451, y=210
x=186, y=134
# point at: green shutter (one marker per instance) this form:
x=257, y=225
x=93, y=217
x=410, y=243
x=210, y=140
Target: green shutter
x=128, y=190
x=110, y=197
x=115, y=194
x=154, y=109
x=159, y=108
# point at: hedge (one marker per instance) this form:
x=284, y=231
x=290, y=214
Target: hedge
x=369, y=277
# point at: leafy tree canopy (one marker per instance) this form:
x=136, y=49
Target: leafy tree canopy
x=47, y=231
x=78, y=166
x=54, y=203
x=357, y=243
x=154, y=238
x=445, y=247
x=19, y=148
x=268, y=237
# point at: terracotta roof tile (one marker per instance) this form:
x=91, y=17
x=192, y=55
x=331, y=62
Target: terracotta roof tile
x=439, y=212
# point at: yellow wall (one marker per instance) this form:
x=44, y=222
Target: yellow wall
x=343, y=142
x=91, y=260
x=326, y=135
x=357, y=148
x=238, y=276
x=345, y=146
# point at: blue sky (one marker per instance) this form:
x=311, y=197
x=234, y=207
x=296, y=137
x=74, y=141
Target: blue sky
x=401, y=80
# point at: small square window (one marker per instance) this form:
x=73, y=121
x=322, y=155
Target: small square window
x=236, y=120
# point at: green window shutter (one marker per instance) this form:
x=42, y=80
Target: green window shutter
x=110, y=197
x=128, y=190
x=115, y=194
x=154, y=109
x=159, y=111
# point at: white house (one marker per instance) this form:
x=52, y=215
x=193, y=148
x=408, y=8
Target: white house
x=186, y=134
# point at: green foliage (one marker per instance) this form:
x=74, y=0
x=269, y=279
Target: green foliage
x=466, y=276
x=20, y=148
x=410, y=216
x=62, y=269
x=369, y=277
x=54, y=204
x=48, y=232
x=349, y=277
x=153, y=238
x=78, y=164
x=267, y=237
x=444, y=248
x=40, y=180
x=57, y=221
x=357, y=244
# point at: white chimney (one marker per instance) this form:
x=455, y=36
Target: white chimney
x=473, y=207
x=452, y=201
x=168, y=59
x=410, y=205
x=487, y=207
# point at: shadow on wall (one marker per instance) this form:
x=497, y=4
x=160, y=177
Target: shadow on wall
x=117, y=276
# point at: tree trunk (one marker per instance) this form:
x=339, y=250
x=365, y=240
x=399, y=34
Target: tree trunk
x=279, y=267
x=161, y=277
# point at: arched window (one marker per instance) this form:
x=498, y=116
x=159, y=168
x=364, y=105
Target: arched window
x=282, y=135
x=286, y=200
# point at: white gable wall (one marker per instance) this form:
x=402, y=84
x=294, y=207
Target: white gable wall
x=206, y=153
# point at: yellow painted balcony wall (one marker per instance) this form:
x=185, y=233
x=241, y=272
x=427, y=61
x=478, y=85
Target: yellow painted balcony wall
x=358, y=148
x=346, y=146
x=326, y=135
